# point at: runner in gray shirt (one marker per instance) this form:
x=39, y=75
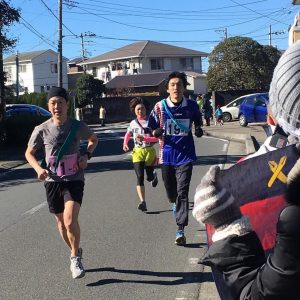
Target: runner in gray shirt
x=63, y=178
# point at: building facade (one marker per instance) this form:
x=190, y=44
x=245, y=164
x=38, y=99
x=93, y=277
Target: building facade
x=144, y=57
x=37, y=71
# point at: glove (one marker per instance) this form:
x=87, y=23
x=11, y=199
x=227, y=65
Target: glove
x=198, y=131
x=213, y=204
x=158, y=132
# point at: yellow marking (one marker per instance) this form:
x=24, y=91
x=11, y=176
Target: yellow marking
x=276, y=169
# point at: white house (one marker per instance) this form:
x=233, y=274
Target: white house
x=144, y=57
x=37, y=71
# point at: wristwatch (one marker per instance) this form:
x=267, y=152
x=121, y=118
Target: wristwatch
x=88, y=154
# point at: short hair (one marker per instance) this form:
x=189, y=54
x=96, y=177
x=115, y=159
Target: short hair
x=179, y=75
x=135, y=101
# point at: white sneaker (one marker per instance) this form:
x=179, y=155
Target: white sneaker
x=76, y=267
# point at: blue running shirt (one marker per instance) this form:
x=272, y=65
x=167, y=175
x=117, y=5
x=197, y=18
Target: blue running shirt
x=176, y=146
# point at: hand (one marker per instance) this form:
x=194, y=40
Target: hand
x=82, y=163
x=158, y=132
x=125, y=148
x=42, y=174
x=198, y=131
x=213, y=204
x=139, y=138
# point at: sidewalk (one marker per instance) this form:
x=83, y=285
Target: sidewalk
x=252, y=135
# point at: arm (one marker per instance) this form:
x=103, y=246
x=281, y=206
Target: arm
x=42, y=174
x=91, y=146
x=126, y=140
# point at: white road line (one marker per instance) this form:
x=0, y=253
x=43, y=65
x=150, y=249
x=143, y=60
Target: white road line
x=35, y=209
x=225, y=147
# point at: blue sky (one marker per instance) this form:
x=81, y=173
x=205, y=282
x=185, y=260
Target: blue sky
x=197, y=24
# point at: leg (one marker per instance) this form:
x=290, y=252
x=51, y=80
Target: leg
x=70, y=216
x=169, y=179
x=183, y=178
x=140, y=188
x=150, y=174
x=150, y=161
x=139, y=171
x=62, y=228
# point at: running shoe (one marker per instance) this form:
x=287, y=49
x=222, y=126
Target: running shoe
x=76, y=267
x=180, y=239
x=154, y=182
x=142, y=206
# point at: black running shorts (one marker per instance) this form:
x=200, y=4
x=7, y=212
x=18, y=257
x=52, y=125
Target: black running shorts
x=59, y=192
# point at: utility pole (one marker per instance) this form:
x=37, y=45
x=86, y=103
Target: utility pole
x=2, y=91
x=83, y=51
x=82, y=47
x=224, y=31
x=59, y=59
x=270, y=35
x=17, y=77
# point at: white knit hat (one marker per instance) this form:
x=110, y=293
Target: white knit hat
x=285, y=91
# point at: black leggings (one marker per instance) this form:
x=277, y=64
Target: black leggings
x=139, y=168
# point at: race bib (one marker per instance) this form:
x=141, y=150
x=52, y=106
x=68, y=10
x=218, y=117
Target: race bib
x=66, y=166
x=173, y=129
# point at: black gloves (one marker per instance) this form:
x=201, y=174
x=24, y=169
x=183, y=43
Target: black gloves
x=198, y=131
x=158, y=132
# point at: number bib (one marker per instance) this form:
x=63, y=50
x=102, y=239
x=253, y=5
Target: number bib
x=66, y=166
x=173, y=129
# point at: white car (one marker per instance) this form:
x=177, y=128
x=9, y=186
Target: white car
x=231, y=110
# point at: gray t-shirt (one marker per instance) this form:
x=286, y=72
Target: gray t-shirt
x=49, y=137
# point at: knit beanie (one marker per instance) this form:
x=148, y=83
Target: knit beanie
x=285, y=91
x=57, y=92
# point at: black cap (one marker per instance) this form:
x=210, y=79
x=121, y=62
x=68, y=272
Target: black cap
x=57, y=92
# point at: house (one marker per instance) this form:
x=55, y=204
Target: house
x=37, y=71
x=153, y=83
x=75, y=70
x=144, y=57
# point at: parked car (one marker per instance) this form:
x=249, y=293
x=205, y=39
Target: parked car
x=254, y=109
x=231, y=110
x=20, y=120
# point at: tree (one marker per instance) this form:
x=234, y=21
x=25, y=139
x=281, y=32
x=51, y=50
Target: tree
x=88, y=89
x=8, y=15
x=241, y=63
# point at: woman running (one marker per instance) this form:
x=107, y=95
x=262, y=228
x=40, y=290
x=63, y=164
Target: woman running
x=143, y=153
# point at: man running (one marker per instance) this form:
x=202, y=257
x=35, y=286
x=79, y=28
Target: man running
x=171, y=120
x=63, y=177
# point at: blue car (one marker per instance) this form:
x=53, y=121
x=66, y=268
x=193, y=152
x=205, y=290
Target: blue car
x=253, y=109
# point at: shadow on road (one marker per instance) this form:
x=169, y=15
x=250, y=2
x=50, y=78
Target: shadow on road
x=182, y=277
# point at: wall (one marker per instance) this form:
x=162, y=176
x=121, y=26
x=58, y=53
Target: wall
x=117, y=109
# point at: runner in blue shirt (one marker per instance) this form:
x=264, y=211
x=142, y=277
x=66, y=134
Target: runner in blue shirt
x=171, y=120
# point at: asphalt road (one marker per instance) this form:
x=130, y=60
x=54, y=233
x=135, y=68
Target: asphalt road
x=127, y=254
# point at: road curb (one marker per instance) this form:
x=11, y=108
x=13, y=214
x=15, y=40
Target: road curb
x=242, y=138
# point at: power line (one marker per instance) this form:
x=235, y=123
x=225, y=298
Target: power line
x=35, y=32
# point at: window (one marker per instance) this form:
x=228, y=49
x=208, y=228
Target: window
x=236, y=103
x=250, y=100
x=22, y=68
x=42, y=89
x=53, y=68
x=157, y=64
x=94, y=71
x=187, y=63
x=260, y=101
